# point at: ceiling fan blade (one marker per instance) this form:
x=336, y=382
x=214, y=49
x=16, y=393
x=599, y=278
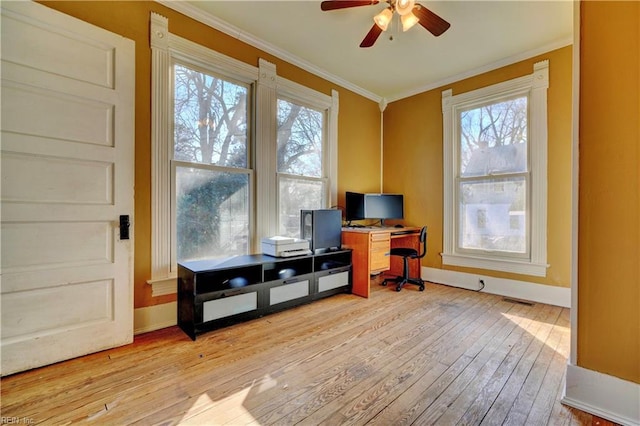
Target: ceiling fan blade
x=343, y=4
x=430, y=21
x=371, y=36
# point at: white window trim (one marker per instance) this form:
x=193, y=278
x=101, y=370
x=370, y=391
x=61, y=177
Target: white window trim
x=536, y=84
x=164, y=48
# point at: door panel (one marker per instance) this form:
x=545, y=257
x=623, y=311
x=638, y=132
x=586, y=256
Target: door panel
x=47, y=179
x=67, y=175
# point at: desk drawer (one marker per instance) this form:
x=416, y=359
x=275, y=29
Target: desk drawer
x=380, y=260
x=380, y=245
x=380, y=236
x=380, y=241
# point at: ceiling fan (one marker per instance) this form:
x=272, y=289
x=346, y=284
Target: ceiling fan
x=410, y=12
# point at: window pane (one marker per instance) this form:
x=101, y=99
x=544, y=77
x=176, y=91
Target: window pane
x=493, y=138
x=296, y=195
x=212, y=213
x=300, y=138
x=492, y=215
x=210, y=119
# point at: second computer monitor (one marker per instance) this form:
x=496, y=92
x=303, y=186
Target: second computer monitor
x=374, y=206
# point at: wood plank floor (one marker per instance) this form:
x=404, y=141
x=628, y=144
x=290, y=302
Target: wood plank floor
x=443, y=356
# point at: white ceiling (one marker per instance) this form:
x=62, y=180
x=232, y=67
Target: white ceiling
x=484, y=35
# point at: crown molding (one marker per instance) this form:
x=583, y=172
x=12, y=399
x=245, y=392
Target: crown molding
x=486, y=68
x=252, y=40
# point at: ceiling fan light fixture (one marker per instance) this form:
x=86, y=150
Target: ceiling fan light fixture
x=408, y=21
x=404, y=7
x=383, y=18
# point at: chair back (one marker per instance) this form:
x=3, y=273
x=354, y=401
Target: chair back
x=423, y=241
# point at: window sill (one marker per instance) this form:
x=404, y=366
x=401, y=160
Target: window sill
x=514, y=266
x=163, y=286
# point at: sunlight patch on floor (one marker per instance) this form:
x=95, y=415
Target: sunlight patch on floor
x=229, y=410
x=549, y=339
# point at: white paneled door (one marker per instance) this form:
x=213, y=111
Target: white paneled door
x=67, y=98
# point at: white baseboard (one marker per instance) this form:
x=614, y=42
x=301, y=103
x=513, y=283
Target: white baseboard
x=155, y=317
x=602, y=395
x=558, y=296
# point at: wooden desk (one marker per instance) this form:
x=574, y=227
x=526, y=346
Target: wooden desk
x=371, y=247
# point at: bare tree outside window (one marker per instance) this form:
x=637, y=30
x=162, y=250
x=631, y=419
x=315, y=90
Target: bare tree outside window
x=493, y=177
x=212, y=195
x=300, y=144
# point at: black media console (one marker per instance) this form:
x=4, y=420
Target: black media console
x=216, y=293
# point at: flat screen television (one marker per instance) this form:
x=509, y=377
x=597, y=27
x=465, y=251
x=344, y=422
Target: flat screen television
x=374, y=206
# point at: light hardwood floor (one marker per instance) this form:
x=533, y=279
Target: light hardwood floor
x=443, y=356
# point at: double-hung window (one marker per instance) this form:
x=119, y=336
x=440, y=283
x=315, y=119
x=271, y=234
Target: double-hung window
x=301, y=171
x=237, y=152
x=210, y=165
x=495, y=176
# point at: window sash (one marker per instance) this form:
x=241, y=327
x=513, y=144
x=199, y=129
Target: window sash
x=284, y=226
x=324, y=160
x=283, y=178
x=197, y=66
x=175, y=164
x=494, y=179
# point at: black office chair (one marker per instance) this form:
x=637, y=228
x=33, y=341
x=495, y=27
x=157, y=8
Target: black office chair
x=406, y=254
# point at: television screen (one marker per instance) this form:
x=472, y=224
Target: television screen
x=384, y=206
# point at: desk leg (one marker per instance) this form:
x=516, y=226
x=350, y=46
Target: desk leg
x=359, y=244
x=360, y=286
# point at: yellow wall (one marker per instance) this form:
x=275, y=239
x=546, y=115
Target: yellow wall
x=359, y=147
x=413, y=161
x=358, y=120
x=609, y=186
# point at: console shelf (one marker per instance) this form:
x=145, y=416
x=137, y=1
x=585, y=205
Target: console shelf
x=219, y=292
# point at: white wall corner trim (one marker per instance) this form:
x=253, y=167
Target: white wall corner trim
x=160, y=179
x=333, y=145
x=603, y=395
x=552, y=295
x=155, y=317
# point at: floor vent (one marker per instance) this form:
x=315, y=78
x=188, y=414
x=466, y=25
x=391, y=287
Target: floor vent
x=522, y=302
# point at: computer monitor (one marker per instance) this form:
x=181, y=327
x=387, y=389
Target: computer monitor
x=354, y=209
x=374, y=206
x=383, y=206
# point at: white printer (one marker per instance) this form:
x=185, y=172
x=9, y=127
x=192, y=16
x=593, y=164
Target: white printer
x=285, y=246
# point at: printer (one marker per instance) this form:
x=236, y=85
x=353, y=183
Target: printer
x=285, y=246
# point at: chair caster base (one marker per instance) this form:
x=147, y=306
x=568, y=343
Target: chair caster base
x=402, y=282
